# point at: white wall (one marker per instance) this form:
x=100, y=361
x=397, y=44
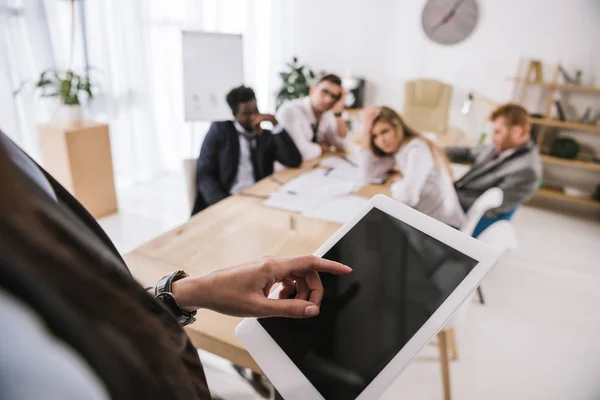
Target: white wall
x=383, y=41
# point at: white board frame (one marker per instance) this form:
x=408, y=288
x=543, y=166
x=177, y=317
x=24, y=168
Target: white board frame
x=207, y=81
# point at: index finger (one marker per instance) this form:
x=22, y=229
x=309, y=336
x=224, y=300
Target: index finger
x=311, y=263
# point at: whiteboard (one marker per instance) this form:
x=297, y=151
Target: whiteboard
x=212, y=66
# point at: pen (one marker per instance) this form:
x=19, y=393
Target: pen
x=349, y=161
x=277, y=181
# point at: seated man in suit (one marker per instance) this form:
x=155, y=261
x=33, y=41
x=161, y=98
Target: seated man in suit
x=236, y=154
x=315, y=122
x=512, y=163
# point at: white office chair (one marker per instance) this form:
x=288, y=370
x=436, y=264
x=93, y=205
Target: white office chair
x=491, y=198
x=189, y=169
x=500, y=235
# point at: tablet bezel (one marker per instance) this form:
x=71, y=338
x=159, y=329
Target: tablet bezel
x=291, y=382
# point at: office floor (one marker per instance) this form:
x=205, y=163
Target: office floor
x=538, y=336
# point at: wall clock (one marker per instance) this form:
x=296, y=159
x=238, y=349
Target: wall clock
x=449, y=21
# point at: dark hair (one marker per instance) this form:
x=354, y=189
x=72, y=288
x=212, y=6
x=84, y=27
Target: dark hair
x=391, y=117
x=513, y=114
x=39, y=252
x=238, y=95
x=330, y=78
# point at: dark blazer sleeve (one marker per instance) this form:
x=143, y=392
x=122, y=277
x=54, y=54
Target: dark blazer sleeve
x=207, y=168
x=460, y=154
x=517, y=188
x=286, y=151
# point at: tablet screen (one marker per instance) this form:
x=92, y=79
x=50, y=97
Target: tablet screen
x=400, y=277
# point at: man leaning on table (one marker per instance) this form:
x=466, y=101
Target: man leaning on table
x=315, y=122
x=512, y=163
x=236, y=154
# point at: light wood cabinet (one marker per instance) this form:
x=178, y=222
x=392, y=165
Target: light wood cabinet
x=79, y=157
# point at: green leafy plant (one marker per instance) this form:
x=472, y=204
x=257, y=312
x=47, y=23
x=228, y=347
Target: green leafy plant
x=66, y=85
x=295, y=82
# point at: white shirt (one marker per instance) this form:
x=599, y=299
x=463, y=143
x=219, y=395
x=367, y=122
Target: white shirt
x=245, y=173
x=423, y=186
x=506, y=153
x=298, y=118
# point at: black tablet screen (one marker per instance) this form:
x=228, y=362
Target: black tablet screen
x=400, y=277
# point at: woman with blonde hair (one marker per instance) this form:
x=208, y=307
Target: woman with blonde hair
x=423, y=179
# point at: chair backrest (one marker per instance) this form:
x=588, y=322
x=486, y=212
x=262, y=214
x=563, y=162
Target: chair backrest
x=491, y=198
x=189, y=169
x=485, y=222
x=500, y=235
x=427, y=105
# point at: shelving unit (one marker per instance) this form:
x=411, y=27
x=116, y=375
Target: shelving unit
x=561, y=86
x=575, y=126
x=571, y=163
x=555, y=194
x=547, y=122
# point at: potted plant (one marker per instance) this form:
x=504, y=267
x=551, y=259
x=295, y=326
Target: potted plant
x=68, y=87
x=295, y=82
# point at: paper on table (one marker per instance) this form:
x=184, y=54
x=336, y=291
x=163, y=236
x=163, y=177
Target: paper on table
x=338, y=209
x=336, y=162
x=308, y=190
x=347, y=173
x=317, y=184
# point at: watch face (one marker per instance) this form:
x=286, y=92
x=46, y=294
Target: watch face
x=449, y=21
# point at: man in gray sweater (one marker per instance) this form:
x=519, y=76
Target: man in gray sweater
x=512, y=163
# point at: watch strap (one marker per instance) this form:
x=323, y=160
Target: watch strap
x=164, y=293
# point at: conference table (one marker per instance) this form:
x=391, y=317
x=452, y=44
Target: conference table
x=236, y=230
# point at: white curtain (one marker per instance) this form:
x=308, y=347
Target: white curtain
x=24, y=53
x=134, y=51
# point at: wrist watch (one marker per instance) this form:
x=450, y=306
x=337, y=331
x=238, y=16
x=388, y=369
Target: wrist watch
x=163, y=293
x=337, y=114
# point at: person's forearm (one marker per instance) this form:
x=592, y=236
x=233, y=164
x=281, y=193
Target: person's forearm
x=342, y=127
x=287, y=152
x=194, y=292
x=372, y=169
x=310, y=151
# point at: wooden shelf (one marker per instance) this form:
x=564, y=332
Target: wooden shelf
x=576, y=126
x=554, y=194
x=571, y=163
x=561, y=86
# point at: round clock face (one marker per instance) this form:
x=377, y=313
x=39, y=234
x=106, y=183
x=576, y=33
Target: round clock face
x=449, y=21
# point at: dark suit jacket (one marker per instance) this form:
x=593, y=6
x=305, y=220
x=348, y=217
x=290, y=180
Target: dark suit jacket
x=217, y=164
x=518, y=175
x=71, y=318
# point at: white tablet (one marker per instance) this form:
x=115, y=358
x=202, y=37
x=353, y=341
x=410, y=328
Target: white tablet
x=410, y=273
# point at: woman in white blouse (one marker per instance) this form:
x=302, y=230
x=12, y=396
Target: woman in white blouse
x=424, y=178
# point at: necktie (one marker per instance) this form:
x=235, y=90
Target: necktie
x=252, y=141
x=315, y=129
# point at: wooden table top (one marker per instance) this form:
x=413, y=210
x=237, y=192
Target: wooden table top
x=233, y=231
